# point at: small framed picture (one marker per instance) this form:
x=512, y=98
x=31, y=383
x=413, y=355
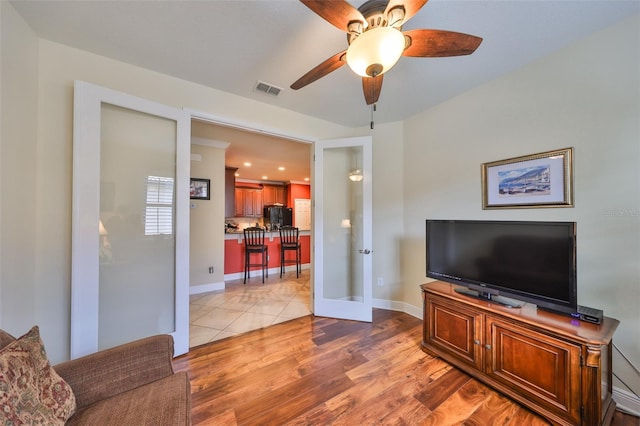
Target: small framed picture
x=199, y=189
x=538, y=180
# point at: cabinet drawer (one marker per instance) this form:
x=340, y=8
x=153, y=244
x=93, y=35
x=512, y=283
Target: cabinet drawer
x=542, y=367
x=455, y=330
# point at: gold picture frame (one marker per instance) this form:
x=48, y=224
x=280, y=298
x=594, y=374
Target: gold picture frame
x=531, y=181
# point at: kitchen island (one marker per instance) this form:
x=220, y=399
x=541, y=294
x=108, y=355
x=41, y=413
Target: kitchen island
x=234, y=254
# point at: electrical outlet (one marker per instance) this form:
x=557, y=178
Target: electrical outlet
x=211, y=269
x=380, y=281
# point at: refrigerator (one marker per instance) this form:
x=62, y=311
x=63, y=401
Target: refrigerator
x=275, y=217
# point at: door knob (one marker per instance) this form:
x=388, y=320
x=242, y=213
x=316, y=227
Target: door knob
x=364, y=251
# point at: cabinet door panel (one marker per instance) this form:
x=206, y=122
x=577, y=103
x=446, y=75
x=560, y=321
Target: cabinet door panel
x=240, y=202
x=546, y=369
x=455, y=330
x=269, y=195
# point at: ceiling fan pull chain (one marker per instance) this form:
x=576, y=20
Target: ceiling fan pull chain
x=373, y=108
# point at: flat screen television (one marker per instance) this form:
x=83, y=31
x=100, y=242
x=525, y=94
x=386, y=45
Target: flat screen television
x=533, y=262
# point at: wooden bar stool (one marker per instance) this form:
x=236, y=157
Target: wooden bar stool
x=289, y=240
x=254, y=244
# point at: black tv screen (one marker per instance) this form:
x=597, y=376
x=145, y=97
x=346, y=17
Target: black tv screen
x=530, y=261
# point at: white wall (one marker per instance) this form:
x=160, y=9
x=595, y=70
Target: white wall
x=18, y=171
x=585, y=96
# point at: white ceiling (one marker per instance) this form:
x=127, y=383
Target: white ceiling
x=230, y=45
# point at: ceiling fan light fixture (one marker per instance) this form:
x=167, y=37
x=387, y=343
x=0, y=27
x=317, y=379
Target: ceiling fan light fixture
x=375, y=51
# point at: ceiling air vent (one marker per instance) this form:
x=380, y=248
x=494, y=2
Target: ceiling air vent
x=269, y=89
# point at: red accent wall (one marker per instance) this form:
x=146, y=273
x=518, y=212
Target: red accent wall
x=297, y=190
x=234, y=254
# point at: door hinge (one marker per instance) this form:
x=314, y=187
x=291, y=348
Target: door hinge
x=582, y=412
x=581, y=361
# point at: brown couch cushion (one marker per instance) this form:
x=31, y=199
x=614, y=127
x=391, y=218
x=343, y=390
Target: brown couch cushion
x=31, y=392
x=163, y=402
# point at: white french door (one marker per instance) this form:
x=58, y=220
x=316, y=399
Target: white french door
x=342, y=226
x=130, y=224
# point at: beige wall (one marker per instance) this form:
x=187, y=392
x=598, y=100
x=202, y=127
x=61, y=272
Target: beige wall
x=18, y=171
x=387, y=212
x=206, y=243
x=36, y=163
x=585, y=96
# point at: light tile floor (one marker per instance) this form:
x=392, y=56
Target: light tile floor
x=244, y=307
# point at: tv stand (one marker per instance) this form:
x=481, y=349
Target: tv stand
x=555, y=365
x=483, y=295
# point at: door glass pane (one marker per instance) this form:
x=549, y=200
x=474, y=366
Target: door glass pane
x=342, y=224
x=137, y=226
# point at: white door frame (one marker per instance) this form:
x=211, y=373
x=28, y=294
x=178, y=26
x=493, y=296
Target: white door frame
x=86, y=205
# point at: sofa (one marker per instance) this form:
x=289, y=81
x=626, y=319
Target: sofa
x=131, y=384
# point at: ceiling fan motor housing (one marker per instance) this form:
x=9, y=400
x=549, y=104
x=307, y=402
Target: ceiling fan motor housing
x=373, y=13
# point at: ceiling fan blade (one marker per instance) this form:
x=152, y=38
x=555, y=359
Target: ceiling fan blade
x=411, y=7
x=337, y=12
x=371, y=87
x=440, y=43
x=331, y=64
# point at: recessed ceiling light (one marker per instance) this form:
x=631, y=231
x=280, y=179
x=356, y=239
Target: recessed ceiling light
x=264, y=177
x=247, y=164
x=237, y=174
x=306, y=179
x=281, y=168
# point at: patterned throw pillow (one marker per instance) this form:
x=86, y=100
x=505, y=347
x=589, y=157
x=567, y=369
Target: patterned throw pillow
x=31, y=392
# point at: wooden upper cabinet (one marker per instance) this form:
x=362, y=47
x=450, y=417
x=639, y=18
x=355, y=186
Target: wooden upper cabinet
x=248, y=202
x=253, y=203
x=269, y=195
x=281, y=195
x=239, y=202
x=274, y=194
x=230, y=191
x=249, y=199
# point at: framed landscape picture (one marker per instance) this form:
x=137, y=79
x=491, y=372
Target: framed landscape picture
x=538, y=180
x=199, y=189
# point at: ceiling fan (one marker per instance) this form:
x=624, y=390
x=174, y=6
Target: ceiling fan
x=376, y=40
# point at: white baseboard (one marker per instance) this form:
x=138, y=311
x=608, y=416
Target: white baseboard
x=626, y=401
x=205, y=288
x=392, y=305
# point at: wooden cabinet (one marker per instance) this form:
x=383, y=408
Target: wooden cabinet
x=274, y=194
x=248, y=202
x=555, y=365
x=230, y=191
x=239, y=202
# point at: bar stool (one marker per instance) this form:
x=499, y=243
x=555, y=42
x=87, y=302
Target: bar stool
x=254, y=244
x=289, y=240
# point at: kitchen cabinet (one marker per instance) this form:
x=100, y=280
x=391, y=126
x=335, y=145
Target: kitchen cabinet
x=230, y=191
x=248, y=202
x=553, y=364
x=274, y=194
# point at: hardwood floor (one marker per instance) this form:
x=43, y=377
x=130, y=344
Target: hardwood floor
x=321, y=371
